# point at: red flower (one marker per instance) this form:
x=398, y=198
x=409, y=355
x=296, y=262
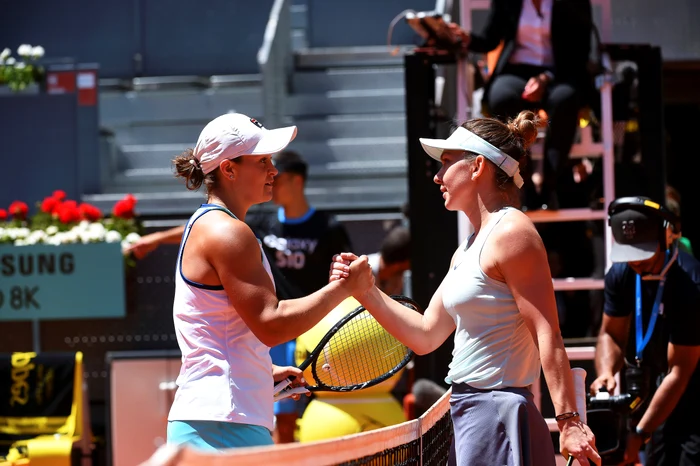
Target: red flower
x=130, y=200
x=123, y=209
x=59, y=194
x=90, y=212
x=19, y=210
x=68, y=212
x=49, y=205
x=3, y=215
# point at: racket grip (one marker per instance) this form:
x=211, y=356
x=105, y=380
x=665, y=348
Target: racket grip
x=291, y=392
x=281, y=386
x=571, y=461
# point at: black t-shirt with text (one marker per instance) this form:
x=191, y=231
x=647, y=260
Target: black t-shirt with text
x=678, y=322
x=302, y=249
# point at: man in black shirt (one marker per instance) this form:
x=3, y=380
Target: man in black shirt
x=298, y=239
x=651, y=327
x=300, y=243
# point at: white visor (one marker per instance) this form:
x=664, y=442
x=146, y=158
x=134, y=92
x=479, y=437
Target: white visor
x=464, y=140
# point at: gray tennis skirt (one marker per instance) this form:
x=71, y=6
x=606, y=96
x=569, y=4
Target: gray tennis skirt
x=498, y=428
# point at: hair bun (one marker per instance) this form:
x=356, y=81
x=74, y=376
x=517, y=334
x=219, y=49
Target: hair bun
x=524, y=127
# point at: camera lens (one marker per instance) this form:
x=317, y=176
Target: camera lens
x=637, y=381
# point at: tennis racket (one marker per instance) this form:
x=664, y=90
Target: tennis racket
x=355, y=353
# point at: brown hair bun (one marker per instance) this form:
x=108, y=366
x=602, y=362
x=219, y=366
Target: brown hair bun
x=524, y=127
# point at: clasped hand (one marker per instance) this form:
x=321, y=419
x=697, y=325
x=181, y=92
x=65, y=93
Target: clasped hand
x=355, y=272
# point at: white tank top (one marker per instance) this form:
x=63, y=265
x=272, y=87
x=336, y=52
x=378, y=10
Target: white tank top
x=226, y=372
x=493, y=347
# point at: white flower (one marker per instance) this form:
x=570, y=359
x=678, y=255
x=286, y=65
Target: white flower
x=54, y=240
x=69, y=237
x=17, y=233
x=37, y=236
x=19, y=242
x=20, y=65
x=95, y=237
x=38, y=51
x=5, y=53
x=85, y=237
x=113, y=236
x=97, y=228
x=10, y=61
x=132, y=238
x=52, y=230
x=24, y=50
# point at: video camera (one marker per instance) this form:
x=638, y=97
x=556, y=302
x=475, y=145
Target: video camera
x=609, y=416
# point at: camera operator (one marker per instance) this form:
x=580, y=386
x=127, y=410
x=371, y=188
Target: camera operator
x=651, y=331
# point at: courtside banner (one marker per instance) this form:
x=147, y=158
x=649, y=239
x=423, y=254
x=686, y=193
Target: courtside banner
x=71, y=281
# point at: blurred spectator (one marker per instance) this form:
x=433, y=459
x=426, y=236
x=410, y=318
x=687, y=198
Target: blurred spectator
x=299, y=239
x=543, y=64
x=392, y=260
x=673, y=203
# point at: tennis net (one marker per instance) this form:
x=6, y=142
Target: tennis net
x=425, y=441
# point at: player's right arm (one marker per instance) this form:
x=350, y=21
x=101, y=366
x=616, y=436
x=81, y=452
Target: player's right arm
x=422, y=333
x=238, y=263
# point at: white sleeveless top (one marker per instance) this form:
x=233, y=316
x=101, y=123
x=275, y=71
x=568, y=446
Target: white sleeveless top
x=226, y=372
x=493, y=347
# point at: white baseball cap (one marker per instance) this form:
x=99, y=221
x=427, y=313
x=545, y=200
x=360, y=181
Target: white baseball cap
x=233, y=135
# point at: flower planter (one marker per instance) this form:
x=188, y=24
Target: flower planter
x=32, y=89
x=70, y=281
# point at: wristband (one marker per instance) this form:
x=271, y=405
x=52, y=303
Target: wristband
x=566, y=416
x=645, y=436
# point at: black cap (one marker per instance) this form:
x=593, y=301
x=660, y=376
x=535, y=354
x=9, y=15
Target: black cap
x=637, y=233
x=290, y=162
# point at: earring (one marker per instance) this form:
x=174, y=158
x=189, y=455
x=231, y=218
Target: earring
x=230, y=176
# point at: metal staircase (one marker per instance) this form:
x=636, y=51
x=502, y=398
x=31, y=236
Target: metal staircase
x=349, y=107
x=347, y=102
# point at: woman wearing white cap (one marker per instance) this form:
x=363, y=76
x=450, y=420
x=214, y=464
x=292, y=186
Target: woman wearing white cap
x=498, y=296
x=225, y=310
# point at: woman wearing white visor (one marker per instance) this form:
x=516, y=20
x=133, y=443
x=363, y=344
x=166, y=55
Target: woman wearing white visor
x=225, y=310
x=498, y=296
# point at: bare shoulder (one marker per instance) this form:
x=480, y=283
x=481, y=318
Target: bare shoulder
x=224, y=232
x=515, y=235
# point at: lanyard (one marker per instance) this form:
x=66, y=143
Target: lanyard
x=643, y=340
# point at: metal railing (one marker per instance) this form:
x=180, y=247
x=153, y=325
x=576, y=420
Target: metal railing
x=276, y=63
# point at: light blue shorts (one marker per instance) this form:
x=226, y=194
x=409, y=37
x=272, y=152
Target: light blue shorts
x=215, y=436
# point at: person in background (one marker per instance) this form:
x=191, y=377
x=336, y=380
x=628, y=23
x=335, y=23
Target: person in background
x=300, y=242
x=225, y=311
x=543, y=64
x=299, y=239
x=651, y=332
x=673, y=203
x=392, y=261
x=498, y=297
